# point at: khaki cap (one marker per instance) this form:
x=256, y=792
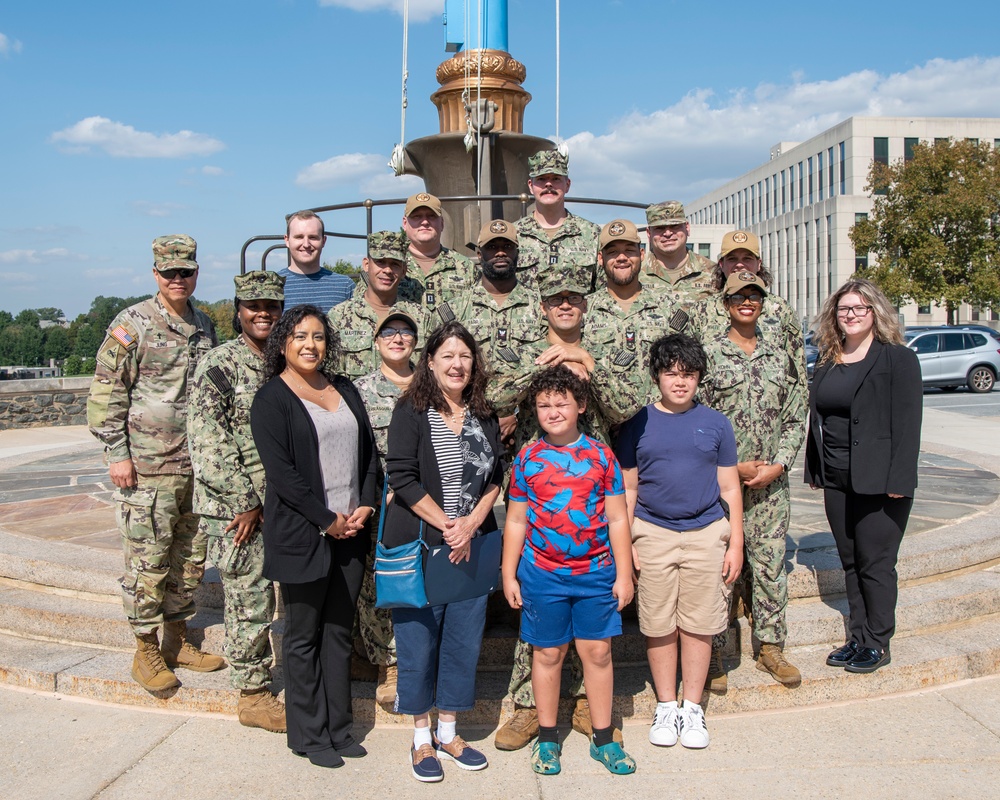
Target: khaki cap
x=497, y=229
x=740, y=240
x=422, y=200
x=742, y=279
x=619, y=230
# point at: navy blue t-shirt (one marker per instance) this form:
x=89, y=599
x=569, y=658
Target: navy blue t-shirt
x=678, y=456
x=324, y=289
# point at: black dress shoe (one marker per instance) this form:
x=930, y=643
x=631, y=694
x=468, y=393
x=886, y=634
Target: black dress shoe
x=868, y=659
x=840, y=656
x=350, y=749
x=329, y=758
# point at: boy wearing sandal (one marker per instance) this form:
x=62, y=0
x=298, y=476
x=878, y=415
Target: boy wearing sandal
x=567, y=563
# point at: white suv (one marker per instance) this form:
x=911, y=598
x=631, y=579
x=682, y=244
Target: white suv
x=950, y=358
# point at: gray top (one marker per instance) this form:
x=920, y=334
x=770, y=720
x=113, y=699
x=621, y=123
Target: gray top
x=338, y=455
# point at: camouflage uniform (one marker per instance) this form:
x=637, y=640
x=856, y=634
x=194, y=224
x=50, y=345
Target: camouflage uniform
x=137, y=408
x=502, y=332
x=710, y=320
x=762, y=396
x=355, y=322
x=379, y=395
x=572, y=249
x=692, y=282
x=451, y=275
x=229, y=480
x=620, y=341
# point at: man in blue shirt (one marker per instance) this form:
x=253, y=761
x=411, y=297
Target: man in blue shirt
x=306, y=280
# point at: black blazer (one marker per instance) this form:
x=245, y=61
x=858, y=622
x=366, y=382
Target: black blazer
x=412, y=466
x=295, y=501
x=884, y=424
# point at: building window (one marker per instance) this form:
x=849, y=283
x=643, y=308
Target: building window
x=810, y=160
x=808, y=246
x=791, y=187
x=705, y=250
x=819, y=169
x=881, y=157
x=941, y=140
x=843, y=168
x=908, y=145
x=802, y=185
x=973, y=140
x=860, y=261
x=996, y=144
x=767, y=198
x=784, y=204
x=829, y=158
x=753, y=205
x=924, y=309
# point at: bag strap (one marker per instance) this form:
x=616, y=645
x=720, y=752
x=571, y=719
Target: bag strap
x=382, y=515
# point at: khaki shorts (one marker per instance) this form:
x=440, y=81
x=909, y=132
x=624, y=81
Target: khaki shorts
x=680, y=580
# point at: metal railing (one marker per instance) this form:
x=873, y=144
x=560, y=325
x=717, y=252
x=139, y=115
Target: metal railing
x=524, y=199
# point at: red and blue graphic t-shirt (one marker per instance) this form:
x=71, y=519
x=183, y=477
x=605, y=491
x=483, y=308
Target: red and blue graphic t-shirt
x=565, y=488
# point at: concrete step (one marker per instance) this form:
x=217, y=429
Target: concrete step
x=918, y=662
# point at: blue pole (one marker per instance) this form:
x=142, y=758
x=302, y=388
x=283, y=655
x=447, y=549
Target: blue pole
x=494, y=19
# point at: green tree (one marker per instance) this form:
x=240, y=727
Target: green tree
x=345, y=267
x=56, y=343
x=50, y=314
x=935, y=226
x=6, y=318
x=221, y=313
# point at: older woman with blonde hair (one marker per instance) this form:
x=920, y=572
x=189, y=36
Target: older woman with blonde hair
x=865, y=408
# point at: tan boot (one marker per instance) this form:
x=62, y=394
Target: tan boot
x=148, y=668
x=179, y=652
x=519, y=730
x=583, y=724
x=772, y=659
x=385, y=692
x=258, y=708
x=718, y=681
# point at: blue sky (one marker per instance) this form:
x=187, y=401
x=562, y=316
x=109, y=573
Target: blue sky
x=123, y=121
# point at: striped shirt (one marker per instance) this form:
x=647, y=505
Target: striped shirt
x=323, y=289
x=450, y=460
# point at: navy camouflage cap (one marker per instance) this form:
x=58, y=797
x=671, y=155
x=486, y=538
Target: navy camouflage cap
x=669, y=212
x=388, y=244
x=619, y=230
x=497, y=229
x=548, y=162
x=742, y=279
x=555, y=280
x=260, y=284
x=176, y=251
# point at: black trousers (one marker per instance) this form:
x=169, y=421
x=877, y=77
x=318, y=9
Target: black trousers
x=868, y=530
x=316, y=651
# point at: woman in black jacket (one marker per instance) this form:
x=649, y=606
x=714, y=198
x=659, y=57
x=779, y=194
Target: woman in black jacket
x=865, y=407
x=445, y=470
x=317, y=448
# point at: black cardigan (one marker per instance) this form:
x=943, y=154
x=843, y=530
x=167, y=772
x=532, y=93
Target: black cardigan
x=295, y=499
x=412, y=466
x=884, y=425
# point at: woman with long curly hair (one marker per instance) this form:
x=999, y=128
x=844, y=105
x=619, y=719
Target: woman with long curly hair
x=445, y=469
x=865, y=408
x=317, y=448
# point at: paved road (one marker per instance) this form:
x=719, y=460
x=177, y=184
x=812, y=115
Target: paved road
x=964, y=402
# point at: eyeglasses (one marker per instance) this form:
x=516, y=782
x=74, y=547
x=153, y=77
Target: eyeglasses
x=754, y=298
x=858, y=311
x=388, y=333
x=556, y=300
x=183, y=272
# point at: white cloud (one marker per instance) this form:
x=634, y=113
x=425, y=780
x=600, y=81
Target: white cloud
x=346, y=169
x=208, y=170
x=108, y=272
x=385, y=185
x=703, y=141
x=124, y=141
x=158, y=210
x=31, y=258
x=8, y=46
x=420, y=10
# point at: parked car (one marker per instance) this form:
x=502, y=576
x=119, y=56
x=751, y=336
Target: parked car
x=952, y=357
x=969, y=327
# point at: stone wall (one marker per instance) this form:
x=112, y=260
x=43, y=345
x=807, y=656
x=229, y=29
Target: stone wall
x=43, y=402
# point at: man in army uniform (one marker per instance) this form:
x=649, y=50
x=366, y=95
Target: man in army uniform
x=502, y=314
x=551, y=239
x=751, y=379
x=669, y=265
x=356, y=320
x=564, y=304
x=396, y=338
x=434, y=274
x=626, y=316
x=229, y=492
x=137, y=408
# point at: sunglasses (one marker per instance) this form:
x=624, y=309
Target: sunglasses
x=183, y=272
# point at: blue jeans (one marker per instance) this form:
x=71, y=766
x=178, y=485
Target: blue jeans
x=437, y=650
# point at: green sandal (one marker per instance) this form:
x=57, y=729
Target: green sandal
x=613, y=757
x=545, y=758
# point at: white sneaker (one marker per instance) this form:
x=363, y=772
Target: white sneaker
x=663, y=731
x=691, y=723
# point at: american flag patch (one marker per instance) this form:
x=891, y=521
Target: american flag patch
x=123, y=336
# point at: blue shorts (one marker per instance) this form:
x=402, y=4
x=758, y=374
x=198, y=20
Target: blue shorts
x=555, y=609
